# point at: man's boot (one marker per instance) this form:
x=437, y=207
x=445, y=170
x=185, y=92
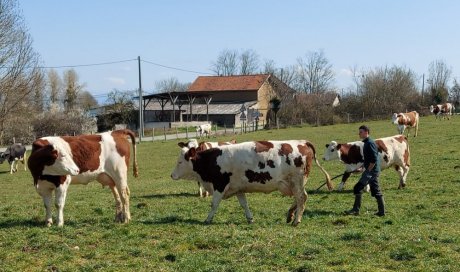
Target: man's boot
x=356, y=205
x=381, y=206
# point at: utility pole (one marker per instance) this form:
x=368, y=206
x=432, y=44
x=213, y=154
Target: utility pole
x=141, y=108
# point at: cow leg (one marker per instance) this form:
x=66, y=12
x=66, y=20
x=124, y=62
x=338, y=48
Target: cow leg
x=118, y=205
x=244, y=204
x=301, y=199
x=45, y=190
x=345, y=176
x=216, y=198
x=61, y=194
x=290, y=213
x=106, y=180
x=202, y=190
x=402, y=181
x=124, y=195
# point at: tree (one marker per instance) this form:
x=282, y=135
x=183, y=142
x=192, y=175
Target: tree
x=19, y=71
x=287, y=74
x=455, y=94
x=120, y=110
x=314, y=73
x=171, y=85
x=226, y=64
x=438, y=77
x=55, y=89
x=72, y=90
x=249, y=62
x=87, y=101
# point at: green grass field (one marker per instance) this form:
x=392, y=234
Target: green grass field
x=421, y=231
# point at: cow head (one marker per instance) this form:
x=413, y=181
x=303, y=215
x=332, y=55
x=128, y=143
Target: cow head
x=431, y=108
x=395, y=118
x=3, y=157
x=184, y=166
x=52, y=158
x=332, y=151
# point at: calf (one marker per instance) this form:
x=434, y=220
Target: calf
x=204, y=129
x=260, y=166
x=56, y=162
x=14, y=153
x=442, y=110
x=393, y=151
x=406, y=120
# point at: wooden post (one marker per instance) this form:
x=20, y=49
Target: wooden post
x=186, y=132
x=153, y=134
x=164, y=132
x=177, y=134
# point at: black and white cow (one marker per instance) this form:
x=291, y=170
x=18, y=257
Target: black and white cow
x=257, y=166
x=13, y=154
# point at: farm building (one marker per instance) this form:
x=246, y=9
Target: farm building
x=222, y=100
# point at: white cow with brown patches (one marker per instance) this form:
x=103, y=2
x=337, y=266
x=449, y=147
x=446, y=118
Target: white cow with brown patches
x=393, y=152
x=57, y=162
x=406, y=120
x=442, y=110
x=205, y=146
x=260, y=166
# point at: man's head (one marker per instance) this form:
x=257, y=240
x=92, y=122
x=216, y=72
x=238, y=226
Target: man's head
x=363, y=132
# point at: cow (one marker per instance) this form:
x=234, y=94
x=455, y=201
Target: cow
x=406, y=120
x=204, y=129
x=442, y=110
x=205, y=146
x=256, y=166
x=56, y=162
x=13, y=154
x=394, y=152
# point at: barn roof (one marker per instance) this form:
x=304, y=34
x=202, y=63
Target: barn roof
x=228, y=83
x=229, y=108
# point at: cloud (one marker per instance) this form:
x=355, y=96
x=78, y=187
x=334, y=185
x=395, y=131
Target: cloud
x=345, y=72
x=116, y=80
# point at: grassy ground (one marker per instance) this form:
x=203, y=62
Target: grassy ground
x=420, y=232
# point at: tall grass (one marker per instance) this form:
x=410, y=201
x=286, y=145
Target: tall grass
x=420, y=232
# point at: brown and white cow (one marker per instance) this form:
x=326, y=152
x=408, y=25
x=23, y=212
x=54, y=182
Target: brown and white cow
x=394, y=152
x=56, y=162
x=442, y=110
x=258, y=166
x=406, y=120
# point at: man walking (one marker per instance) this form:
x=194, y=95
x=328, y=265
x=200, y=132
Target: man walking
x=370, y=175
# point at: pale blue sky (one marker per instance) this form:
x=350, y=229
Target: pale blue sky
x=190, y=34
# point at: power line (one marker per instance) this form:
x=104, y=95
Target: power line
x=174, y=68
x=85, y=65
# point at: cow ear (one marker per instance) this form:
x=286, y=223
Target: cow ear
x=338, y=146
x=192, y=152
x=182, y=144
x=327, y=145
x=233, y=141
x=54, y=154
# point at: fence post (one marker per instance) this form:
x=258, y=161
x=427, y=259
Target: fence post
x=164, y=132
x=225, y=129
x=186, y=132
x=153, y=134
x=215, y=130
x=177, y=134
x=234, y=125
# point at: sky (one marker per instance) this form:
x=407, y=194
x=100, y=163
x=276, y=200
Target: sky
x=189, y=35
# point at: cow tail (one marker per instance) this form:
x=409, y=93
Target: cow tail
x=329, y=184
x=417, y=117
x=408, y=152
x=133, y=141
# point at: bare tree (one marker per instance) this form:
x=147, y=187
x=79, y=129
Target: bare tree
x=455, y=94
x=120, y=109
x=314, y=74
x=72, y=89
x=226, y=64
x=171, y=85
x=438, y=77
x=55, y=89
x=19, y=71
x=287, y=74
x=249, y=62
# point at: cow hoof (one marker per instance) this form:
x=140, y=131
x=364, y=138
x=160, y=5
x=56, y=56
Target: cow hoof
x=250, y=221
x=289, y=218
x=295, y=223
x=49, y=223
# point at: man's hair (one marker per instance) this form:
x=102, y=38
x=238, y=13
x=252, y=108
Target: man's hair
x=365, y=128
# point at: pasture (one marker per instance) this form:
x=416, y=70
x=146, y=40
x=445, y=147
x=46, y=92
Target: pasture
x=421, y=231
